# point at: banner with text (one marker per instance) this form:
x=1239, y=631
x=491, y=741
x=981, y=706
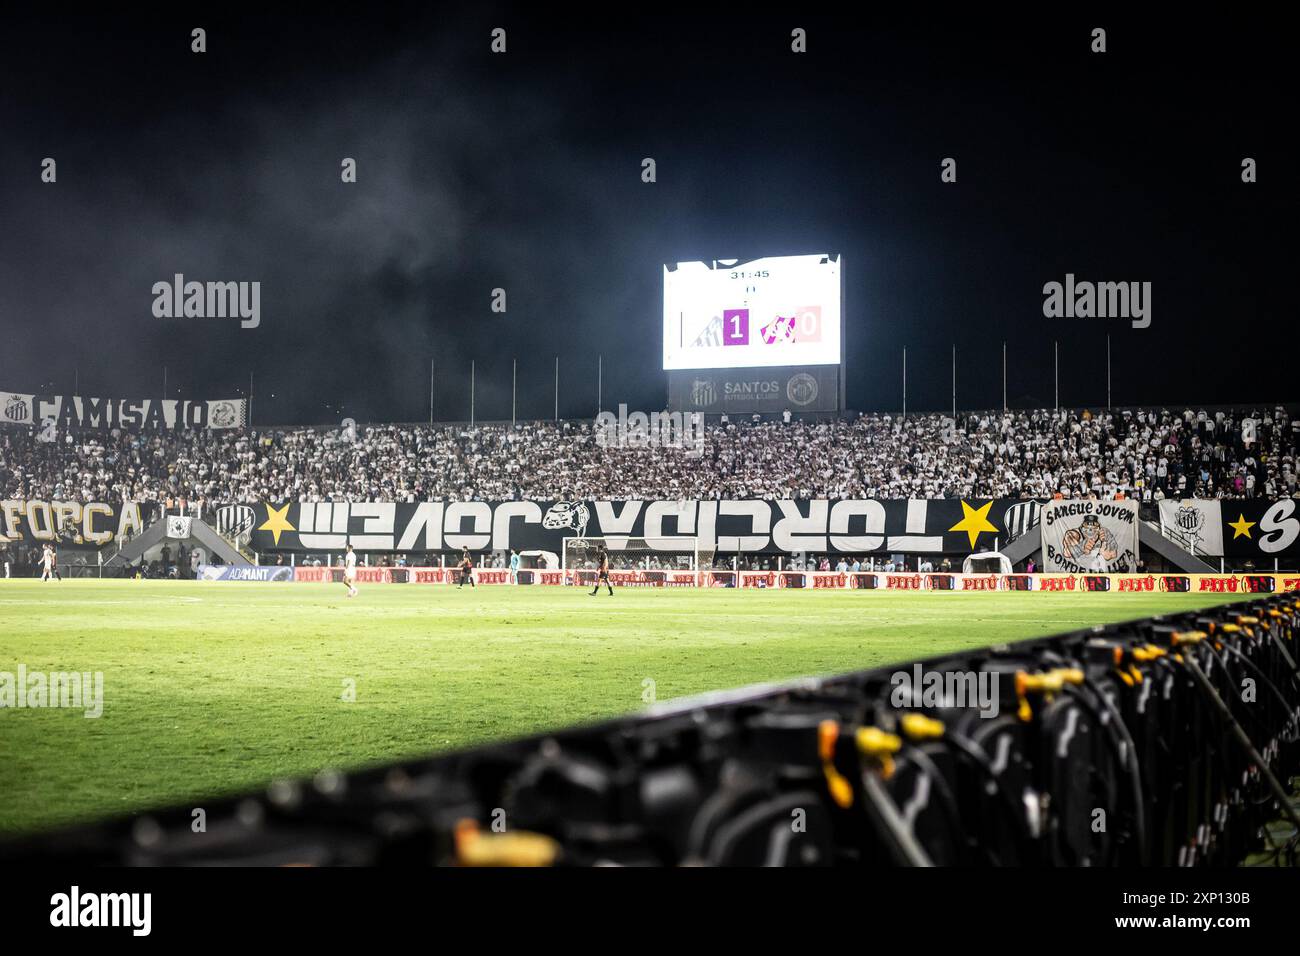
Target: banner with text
x=1090, y=536
x=229, y=572
x=744, y=391
x=73, y=411
x=819, y=526
x=68, y=523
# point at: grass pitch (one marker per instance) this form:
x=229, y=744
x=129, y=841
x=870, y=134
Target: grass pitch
x=210, y=688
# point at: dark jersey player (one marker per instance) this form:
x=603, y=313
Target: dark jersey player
x=466, y=570
x=602, y=573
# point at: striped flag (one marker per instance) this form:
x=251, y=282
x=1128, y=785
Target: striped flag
x=1020, y=518
x=235, y=521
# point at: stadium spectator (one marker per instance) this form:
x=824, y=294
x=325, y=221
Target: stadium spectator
x=1145, y=454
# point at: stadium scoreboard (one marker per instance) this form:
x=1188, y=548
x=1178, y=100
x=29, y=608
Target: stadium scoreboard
x=754, y=335
x=757, y=313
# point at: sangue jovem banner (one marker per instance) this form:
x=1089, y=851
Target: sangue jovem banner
x=1090, y=536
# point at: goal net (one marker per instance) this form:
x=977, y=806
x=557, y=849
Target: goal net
x=677, y=559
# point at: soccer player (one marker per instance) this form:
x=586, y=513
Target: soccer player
x=602, y=573
x=514, y=566
x=466, y=569
x=49, y=563
x=350, y=571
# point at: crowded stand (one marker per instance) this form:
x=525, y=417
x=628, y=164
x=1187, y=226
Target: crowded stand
x=1146, y=454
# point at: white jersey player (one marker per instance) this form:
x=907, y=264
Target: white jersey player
x=49, y=563
x=350, y=571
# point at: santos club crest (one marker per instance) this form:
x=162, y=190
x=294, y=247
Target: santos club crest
x=801, y=389
x=17, y=409
x=703, y=393
x=1190, y=520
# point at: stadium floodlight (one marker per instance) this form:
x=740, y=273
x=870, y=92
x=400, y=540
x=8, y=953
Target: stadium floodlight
x=669, y=559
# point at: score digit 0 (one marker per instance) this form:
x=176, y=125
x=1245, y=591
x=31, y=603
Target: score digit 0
x=809, y=326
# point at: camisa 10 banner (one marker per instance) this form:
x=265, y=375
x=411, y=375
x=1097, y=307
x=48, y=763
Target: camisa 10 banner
x=76, y=411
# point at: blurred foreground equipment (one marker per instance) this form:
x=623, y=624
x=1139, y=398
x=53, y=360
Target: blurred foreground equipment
x=1167, y=741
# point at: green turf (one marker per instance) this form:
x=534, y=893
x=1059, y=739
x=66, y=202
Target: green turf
x=214, y=687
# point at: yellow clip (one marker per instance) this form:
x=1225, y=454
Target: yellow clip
x=1230, y=628
x=1023, y=711
x=1179, y=638
x=874, y=742
x=828, y=732
x=1247, y=619
x=1048, y=683
x=476, y=848
x=920, y=727
x=1137, y=674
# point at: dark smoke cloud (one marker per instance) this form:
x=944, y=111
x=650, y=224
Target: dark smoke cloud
x=521, y=172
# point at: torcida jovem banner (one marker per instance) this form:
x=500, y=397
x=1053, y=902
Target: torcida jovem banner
x=726, y=526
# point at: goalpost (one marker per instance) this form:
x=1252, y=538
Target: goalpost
x=654, y=562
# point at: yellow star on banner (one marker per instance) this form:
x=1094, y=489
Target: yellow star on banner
x=277, y=520
x=1241, y=526
x=974, y=521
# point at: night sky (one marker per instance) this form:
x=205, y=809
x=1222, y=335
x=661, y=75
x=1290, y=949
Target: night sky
x=523, y=171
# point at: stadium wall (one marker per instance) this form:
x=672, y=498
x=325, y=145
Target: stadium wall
x=1257, y=583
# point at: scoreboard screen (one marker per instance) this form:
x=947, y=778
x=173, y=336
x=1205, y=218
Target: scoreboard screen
x=755, y=313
